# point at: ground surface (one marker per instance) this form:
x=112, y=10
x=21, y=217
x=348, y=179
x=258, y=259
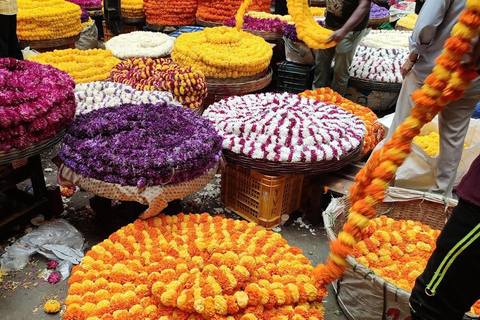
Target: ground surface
x=23, y=293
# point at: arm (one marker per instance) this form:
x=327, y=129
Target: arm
x=356, y=17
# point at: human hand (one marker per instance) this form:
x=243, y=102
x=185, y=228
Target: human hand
x=474, y=57
x=406, y=67
x=337, y=36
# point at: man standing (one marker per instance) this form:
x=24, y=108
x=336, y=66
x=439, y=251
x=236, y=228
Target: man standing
x=348, y=19
x=9, y=46
x=433, y=27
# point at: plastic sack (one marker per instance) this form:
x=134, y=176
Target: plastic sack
x=28, y=53
x=401, y=9
x=476, y=113
x=57, y=240
x=419, y=169
x=299, y=52
x=88, y=38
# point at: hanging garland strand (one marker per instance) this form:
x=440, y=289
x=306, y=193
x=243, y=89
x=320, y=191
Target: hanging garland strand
x=447, y=83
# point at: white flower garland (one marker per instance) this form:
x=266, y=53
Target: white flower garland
x=386, y=39
x=380, y=65
x=285, y=127
x=96, y=95
x=140, y=44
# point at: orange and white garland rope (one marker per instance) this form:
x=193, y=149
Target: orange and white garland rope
x=445, y=84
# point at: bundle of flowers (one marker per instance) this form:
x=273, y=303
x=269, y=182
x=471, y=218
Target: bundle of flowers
x=290, y=32
x=259, y=24
x=285, y=127
x=380, y=65
x=170, y=13
x=265, y=15
x=36, y=101
x=222, y=10
x=140, y=44
x=103, y=94
x=87, y=3
x=408, y=22
x=141, y=145
x=430, y=143
x=82, y=65
x=187, y=85
x=386, y=39
x=329, y=96
x=84, y=17
x=132, y=9
x=377, y=12
x=222, y=52
x=47, y=19
x=193, y=267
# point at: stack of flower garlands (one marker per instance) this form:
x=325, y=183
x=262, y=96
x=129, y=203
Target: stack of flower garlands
x=398, y=251
x=222, y=52
x=132, y=9
x=408, y=22
x=187, y=85
x=430, y=143
x=377, y=12
x=141, y=145
x=222, y=10
x=329, y=96
x=170, y=13
x=285, y=127
x=140, y=44
x=85, y=19
x=103, y=94
x=447, y=83
x=87, y=3
x=259, y=24
x=193, y=267
x=47, y=19
x=35, y=102
x=82, y=65
x=380, y=56
x=265, y=15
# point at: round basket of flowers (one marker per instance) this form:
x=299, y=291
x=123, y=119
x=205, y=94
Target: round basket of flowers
x=378, y=16
x=270, y=29
x=193, y=267
x=139, y=44
x=149, y=153
x=391, y=253
x=286, y=134
x=37, y=102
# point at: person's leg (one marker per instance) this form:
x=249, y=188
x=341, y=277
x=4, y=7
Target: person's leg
x=14, y=46
x=453, y=124
x=344, y=52
x=450, y=284
x=4, y=29
x=323, y=67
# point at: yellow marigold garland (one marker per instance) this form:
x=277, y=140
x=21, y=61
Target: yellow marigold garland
x=430, y=143
x=195, y=267
x=82, y=65
x=447, y=83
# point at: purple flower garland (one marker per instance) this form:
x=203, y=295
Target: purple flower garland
x=36, y=101
x=259, y=24
x=139, y=145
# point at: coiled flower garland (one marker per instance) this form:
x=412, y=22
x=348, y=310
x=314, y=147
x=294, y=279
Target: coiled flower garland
x=447, y=83
x=196, y=267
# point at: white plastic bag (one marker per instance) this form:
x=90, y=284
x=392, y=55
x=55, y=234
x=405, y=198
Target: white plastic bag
x=57, y=240
x=28, y=52
x=419, y=170
x=401, y=9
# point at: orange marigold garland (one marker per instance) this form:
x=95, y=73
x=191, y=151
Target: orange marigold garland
x=196, y=267
x=222, y=10
x=170, y=13
x=329, y=96
x=447, y=83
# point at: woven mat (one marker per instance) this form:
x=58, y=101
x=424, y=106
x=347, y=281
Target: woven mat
x=156, y=197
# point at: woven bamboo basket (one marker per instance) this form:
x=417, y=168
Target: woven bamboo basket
x=266, y=35
x=374, y=23
x=361, y=293
x=281, y=168
x=374, y=85
x=36, y=148
x=93, y=8
x=220, y=88
x=200, y=22
x=318, y=3
x=60, y=43
x=134, y=21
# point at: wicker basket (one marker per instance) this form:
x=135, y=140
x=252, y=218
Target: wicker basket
x=46, y=45
x=219, y=89
x=260, y=198
x=266, y=35
x=134, y=21
x=379, y=297
x=276, y=168
x=374, y=23
x=374, y=85
x=36, y=148
x=318, y=3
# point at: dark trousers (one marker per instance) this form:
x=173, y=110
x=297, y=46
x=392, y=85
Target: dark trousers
x=9, y=46
x=450, y=284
